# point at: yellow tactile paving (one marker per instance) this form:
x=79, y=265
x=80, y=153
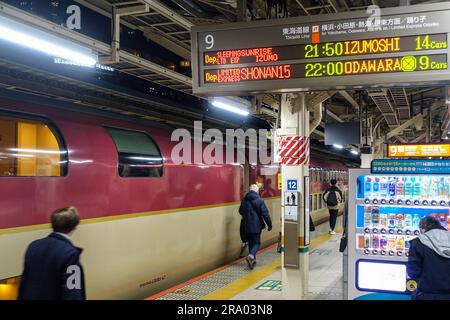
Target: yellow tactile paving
x=242, y=284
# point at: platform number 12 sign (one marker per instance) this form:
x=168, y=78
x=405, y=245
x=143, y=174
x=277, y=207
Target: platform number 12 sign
x=292, y=184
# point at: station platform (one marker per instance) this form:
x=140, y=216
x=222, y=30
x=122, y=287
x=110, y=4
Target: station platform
x=236, y=281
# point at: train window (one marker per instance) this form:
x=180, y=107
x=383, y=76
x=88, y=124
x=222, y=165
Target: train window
x=139, y=156
x=30, y=148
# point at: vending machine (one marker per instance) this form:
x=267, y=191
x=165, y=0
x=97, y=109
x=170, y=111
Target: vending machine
x=385, y=208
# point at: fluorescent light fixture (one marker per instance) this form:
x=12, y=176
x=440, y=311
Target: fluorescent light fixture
x=230, y=105
x=355, y=152
x=338, y=146
x=29, y=37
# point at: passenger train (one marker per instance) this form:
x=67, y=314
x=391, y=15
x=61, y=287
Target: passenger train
x=147, y=223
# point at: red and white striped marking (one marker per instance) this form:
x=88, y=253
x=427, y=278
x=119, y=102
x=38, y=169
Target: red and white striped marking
x=295, y=151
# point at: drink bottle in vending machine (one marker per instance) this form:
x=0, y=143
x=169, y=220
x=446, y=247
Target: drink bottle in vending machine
x=417, y=189
x=392, y=187
x=367, y=241
x=383, y=242
x=391, y=220
x=375, y=241
x=408, y=187
x=383, y=220
x=361, y=241
x=400, y=187
x=400, y=243
x=376, y=187
x=416, y=221
x=425, y=188
x=368, y=188
x=367, y=216
x=408, y=221
x=383, y=187
x=375, y=217
x=400, y=221
x=391, y=242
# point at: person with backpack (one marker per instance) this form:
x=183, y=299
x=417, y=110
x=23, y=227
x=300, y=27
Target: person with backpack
x=254, y=213
x=333, y=198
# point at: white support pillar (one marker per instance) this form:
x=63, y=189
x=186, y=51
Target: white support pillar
x=295, y=257
x=366, y=160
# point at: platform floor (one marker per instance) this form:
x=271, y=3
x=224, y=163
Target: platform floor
x=237, y=282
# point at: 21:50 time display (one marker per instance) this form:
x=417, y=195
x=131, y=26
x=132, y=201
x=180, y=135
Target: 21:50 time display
x=374, y=46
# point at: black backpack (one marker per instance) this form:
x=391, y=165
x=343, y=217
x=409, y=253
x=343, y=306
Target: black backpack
x=332, y=198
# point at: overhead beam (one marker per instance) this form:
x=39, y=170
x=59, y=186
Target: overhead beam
x=401, y=139
x=334, y=116
x=409, y=123
x=158, y=37
x=350, y=99
x=303, y=7
x=190, y=7
x=241, y=10
x=88, y=42
x=169, y=13
x=419, y=138
x=103, y=12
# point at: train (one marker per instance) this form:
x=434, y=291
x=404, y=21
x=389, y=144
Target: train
x=147, y=222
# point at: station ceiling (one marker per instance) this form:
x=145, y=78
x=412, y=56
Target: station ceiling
x=167, y=23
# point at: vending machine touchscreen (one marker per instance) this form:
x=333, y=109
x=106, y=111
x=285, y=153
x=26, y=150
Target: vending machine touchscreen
x=386, y=206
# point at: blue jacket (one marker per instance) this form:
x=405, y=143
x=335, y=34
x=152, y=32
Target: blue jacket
x=254, y=212
x=52, y=271
x=429, y=262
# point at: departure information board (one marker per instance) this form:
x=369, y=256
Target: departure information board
x=403, y=46
x=418, y=150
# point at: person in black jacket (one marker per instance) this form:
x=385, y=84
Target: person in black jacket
x=333, y=198
x=254, y=213
x=429, y=261
x=52, y=269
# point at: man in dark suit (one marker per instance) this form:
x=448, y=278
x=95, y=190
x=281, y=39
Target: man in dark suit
x=52, y=269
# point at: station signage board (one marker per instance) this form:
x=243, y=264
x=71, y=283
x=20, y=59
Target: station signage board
x=388, y=166
x=403, y=46
x=418, y=150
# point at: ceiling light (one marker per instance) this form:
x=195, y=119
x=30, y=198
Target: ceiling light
x=230, y=105
x=29, y=37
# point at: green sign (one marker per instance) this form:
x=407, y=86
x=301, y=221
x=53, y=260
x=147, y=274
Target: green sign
x=270, y=285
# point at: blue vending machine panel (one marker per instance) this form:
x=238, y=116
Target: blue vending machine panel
x=389, y=208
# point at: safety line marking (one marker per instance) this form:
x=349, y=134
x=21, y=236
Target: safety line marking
x=233, y=289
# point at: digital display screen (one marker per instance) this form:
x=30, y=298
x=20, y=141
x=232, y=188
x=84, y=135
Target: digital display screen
x=329, y=49
x=379, y=276
x=408, y=63
x=419, y=150
x=329, y=52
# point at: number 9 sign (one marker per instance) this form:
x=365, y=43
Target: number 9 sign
x=209, y=39
x=393, y=151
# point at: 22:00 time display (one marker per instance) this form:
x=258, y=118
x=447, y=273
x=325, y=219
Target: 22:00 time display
x=408, y=63
x=327, y=49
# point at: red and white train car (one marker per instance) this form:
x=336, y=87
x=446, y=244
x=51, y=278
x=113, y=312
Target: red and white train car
x=147, y=223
